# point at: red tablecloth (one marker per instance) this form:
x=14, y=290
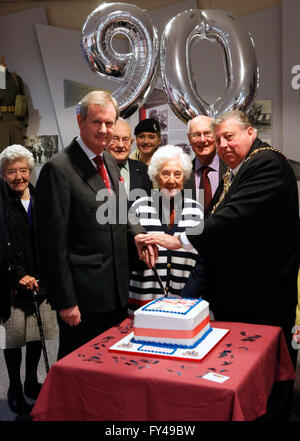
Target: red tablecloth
x=93, y=383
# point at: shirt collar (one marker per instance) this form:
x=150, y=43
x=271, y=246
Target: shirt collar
x=236, y=169
x=214, y=165
x=124, y=165
x=89, y=153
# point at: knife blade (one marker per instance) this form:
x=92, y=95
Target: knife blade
x=160, y=282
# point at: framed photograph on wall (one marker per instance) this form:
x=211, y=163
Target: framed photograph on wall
x=260, y=115
x=42, y=147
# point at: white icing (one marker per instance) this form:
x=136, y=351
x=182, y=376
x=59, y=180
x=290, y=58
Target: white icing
x=172, y=314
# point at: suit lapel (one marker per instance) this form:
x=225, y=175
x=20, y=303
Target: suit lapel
x=190, y=182
x=82, y=165
x=222, y=169
x=113, y=170
x=134, y=172
x=257, y=143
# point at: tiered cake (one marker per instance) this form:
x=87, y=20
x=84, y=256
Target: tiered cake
x=172, y=322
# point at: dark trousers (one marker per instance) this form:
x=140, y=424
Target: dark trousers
x=91, y=325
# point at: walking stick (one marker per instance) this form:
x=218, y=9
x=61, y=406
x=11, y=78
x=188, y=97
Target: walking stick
x=39, y=320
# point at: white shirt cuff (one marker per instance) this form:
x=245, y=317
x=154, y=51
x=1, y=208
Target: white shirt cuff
x=186, y=244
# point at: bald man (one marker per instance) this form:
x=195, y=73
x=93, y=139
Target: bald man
x=207, y=164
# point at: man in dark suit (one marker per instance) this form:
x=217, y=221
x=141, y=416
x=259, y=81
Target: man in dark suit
x=84, y=258
x=207, y=165
x=251, y=239
x=134, y=173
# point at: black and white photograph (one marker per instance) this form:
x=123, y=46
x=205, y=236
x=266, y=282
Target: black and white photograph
x=42, y=147
x=260, y=115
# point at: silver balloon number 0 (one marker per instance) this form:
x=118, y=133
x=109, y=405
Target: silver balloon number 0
x=239, y=56
x=136, y=71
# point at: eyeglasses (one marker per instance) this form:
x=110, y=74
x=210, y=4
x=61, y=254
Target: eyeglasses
x=117, y=140
x=167, y=174
x=198, y=135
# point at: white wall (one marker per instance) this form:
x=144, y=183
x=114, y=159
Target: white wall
x=290, y=96
x=61, y=54
x=265, y=28
x=35, y=55
x=19, y=46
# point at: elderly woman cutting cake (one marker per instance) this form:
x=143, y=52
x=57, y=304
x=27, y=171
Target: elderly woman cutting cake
x=170, y=211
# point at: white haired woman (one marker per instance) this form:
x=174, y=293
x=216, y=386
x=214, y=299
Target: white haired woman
x=168, y=210
x=16, y=164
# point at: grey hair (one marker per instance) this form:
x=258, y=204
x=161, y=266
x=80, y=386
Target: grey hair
x=166, y=153
x=124, y=121
x=240, y=118
x=100, y=97
x=15, y=152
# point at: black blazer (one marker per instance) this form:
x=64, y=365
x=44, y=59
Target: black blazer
x=23, y=243
x=23, y=249
x=139, y=176
x=84, y=263
x=4, y=254
x=251, y=244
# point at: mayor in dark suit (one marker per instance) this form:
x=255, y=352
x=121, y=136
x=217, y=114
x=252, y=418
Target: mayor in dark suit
x=252, y=236
x=208, y=168
x=251, y=239
x=84, y=261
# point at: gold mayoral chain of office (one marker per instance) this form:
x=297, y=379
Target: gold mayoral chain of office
x=227, y=177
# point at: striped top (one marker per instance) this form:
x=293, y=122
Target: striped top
x=173, y=267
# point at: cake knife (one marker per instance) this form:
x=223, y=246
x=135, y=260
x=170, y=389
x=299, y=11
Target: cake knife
x=159, y=281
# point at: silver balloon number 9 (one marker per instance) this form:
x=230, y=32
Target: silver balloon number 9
x=239, y=55
x=137, y=70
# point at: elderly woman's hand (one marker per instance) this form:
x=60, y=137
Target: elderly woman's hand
x=29, y=282
x=164, y=240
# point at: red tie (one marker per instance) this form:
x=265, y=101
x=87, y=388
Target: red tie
x=172, y=213
x=205, y=184
x=102, y=171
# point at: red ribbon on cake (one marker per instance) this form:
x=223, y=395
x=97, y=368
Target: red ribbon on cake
x=171, y=333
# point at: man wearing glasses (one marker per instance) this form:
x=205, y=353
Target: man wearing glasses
x=207, y=166
x=133, y=172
